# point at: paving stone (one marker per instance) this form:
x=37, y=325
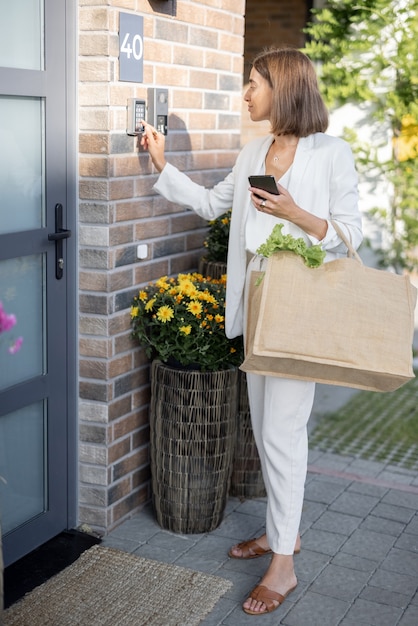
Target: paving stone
x=257, y=507
x=383, y=596
x=394, y=477
x=239, y=527
x=316, y=610
x=367, y=543
x=222, y=609
x=409, y=618
x=365, y=467
x=413, y=526
x=337, y=462
x=392, y=581
x=407, y=542
x=354, y=504
x=309, y=565
x=402, y=498
x=312, y=511
x=402, y=562
x=368, y=489
x=323, y=491
x=322, y=541
x=391, y=511
x=373, y=613
x=355, y=562
x=337, y=522
x=382, y=525
x=340, y=582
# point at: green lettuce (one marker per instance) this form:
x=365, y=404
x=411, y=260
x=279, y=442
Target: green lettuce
x=313, y=256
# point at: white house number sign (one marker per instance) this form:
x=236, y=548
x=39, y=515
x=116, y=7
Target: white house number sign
x=131, y=47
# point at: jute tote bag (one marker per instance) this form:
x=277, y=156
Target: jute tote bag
x=342, y=323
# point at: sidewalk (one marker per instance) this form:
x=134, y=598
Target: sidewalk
x=359, y=559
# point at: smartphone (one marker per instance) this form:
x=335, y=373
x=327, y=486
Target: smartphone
x=267, y=183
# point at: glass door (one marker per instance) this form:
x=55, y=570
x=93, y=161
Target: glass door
x=34, y=248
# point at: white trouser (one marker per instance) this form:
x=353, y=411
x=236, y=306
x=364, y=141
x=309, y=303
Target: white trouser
x=280, y=410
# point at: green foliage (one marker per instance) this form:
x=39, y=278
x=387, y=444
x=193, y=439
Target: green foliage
x=368, y=53
x=313, y=256
x=216, y=242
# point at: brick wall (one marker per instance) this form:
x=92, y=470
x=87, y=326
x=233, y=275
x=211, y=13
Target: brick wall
x=270, y=23
x=195, y=48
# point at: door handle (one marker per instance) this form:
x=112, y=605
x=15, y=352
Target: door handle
x=58, y=236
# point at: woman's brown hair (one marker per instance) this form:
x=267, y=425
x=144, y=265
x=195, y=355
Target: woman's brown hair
x=297, y=106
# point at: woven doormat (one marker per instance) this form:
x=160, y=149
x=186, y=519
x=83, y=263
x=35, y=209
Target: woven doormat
x=107, y=587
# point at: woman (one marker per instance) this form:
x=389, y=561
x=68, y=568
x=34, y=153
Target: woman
x=317, y=182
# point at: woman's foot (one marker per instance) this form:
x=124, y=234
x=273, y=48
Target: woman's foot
x=277, y=583
x=254, y=548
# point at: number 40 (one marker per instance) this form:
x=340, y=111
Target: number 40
x=136, y=49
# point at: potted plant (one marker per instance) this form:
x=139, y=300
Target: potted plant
x=216, y=244
x=193, y=409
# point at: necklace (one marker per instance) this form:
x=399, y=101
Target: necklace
x=276, y=157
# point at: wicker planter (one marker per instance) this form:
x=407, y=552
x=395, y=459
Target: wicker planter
x=193, y=418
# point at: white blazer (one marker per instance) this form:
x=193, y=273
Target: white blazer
x=323, y=181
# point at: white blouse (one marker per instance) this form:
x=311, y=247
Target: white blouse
x=259, y=225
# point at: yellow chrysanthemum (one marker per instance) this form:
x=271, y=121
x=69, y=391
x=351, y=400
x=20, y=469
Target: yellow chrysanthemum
x=134, y=311
x=165, y=313
x=143, y=296
x=186, y=329
x=150, y=304
x=162, y=283
x=219, y=318
x=194, y=307
x=187, y=287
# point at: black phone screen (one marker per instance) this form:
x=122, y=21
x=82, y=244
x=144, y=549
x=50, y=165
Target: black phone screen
x=267, y=183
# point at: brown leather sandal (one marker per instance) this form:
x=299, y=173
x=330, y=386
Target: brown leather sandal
x=271, y=599
x=251, y=550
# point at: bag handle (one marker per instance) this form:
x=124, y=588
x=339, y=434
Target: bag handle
x=351, y=251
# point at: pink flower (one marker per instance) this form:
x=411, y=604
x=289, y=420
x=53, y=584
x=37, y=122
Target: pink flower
x=16, y=346
x=6, y=321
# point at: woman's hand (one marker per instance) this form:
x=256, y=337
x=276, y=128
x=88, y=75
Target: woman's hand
x=154, y=142
x=283, y=206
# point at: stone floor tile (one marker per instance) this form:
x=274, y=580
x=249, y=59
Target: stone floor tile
x=382, y=525
x=323, y=541
x=340, y=582
x=312, y=511
x=352, y=561
x=337, y=462
x=402, y=562
x=407, y=542
x=393, y=512
x=221, y=610
x=410, y=617
x=315, y=609
x=394, y=477
x=337, y=523
x=368, y=489
x=365, y=467
x=402, y=499
x=323, y=491
x=120, y=543
x=354, y=504
x=254, y=506
x=366, y=543
x=412, y=527
x=239, y=527
x=309, y=565
x=373, y=614
x=392, y=581
x=383, y=596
